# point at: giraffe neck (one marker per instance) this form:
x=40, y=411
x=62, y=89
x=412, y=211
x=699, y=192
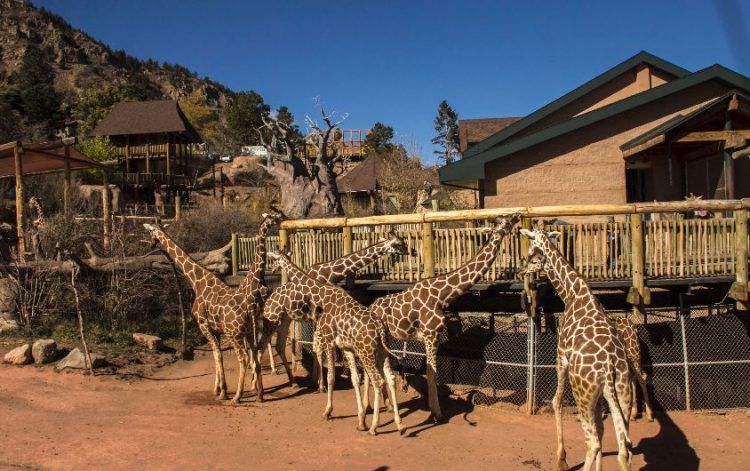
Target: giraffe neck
x=336, y=270
x=562, y=275
x=256, y=272
x=295, y=275
x=460, y=280
x=189, y=267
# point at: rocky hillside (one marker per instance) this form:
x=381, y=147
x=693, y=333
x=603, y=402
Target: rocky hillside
x=80, y=61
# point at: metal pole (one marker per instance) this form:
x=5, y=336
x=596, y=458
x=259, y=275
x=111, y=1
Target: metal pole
x=530, y=380
x=685, y=358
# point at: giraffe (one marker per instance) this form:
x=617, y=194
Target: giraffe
x=629, y=336
x=418, y=312
x=627, y=332
x=344, y=323
x=590, y=353
x=218, y=310
x=284, y=305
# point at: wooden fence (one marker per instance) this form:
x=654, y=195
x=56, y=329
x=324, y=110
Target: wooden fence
x=665, y=244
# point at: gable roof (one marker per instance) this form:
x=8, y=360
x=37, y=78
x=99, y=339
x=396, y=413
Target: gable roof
x=640, y=58
x=43, y=158
x=472, y=168
x=146, y=117
x=472, y=131
x=363, y=177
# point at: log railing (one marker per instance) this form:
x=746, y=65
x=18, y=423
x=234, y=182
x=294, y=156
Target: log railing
x=665, y=244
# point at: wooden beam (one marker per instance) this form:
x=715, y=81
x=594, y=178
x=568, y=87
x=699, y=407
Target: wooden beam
x=654, y=141
x=701, y=136
x=169, y=155
x=709, y=150
x=10, y=145
x=20, y=229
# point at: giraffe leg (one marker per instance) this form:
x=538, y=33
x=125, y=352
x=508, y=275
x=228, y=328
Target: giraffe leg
x=257, y=372
x=220, y=384
x=331, y=360
x=270, y=356
x=431, y=352
x=587, y=410
x=634, y=395
x=599, y=423
x=562, y=375
x=377, y=382
x=390, y=380
x=354, y=375
x=619, y=407
x=642, y=378
x=366, y=392
x=242, y=360
x=282, y=333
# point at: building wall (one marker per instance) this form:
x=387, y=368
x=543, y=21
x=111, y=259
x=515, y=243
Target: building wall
x=586, y=166
x=623, y=86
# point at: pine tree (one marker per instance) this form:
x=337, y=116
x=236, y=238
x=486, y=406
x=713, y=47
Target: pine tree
x=244, y=118
x=447, y=140
x=379, y=139
x=39, y=101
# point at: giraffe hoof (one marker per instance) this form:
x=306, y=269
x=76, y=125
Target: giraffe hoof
x=222, y=396
x=294, y=385
x=234, y=402
x=401, y=429
x=361, y=427
x=562, y=466
x=327, y=415
x=439, y=419
x=372, y=432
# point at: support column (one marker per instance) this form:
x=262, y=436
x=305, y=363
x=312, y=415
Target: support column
x=169, y=155
x=20, y=219
x=234, y=254
x=529, y=302
x=106, y=210
x=729, y=192
x=638, y=296
x=148, y=157
x=221, y=187
x=428, y=253
x=127, y=154
x=739, y=289
x=66, y=183
x=283, y=247
x=348, y=246
x=177, y=205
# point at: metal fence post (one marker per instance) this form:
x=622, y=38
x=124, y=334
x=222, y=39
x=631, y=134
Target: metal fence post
x=531, y=362
x=685, y=359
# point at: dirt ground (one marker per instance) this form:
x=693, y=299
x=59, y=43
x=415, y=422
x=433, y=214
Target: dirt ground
x=169, y=420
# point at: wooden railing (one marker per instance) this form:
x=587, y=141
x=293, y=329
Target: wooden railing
x=666, y=244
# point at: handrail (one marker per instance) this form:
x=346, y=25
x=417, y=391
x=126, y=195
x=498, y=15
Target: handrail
x=527, y=211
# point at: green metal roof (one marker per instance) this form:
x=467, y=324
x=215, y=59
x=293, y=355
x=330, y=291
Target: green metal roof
x=472, y=167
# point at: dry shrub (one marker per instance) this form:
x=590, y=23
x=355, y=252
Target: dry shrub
x=401, y=178
x=210, y=225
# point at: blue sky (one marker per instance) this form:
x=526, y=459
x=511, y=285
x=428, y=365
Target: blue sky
x=393, y=61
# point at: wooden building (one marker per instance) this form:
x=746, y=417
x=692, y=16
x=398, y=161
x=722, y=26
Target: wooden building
x=645, y=130
x=154, y=141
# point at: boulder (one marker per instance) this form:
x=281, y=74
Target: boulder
x=44, y=351
x=152, y=342
x=19, y=355
x=7, y=326
x=77, y=360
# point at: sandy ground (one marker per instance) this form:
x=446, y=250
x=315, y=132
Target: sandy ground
x=169, y=420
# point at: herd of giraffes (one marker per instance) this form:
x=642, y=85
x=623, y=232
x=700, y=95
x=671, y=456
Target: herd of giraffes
x=599, y=355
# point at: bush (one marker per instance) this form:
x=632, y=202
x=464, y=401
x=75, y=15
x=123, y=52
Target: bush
x=210, y=226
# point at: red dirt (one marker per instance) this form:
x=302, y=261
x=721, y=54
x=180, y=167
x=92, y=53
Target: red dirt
x=169, y=420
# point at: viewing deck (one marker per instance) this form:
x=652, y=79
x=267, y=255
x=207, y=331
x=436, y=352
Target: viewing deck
x=652, y=244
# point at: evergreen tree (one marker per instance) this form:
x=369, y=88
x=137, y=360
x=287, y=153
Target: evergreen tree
x=379, y=139
x=284, y=116
x=446, y=126
x=40, y=103
x=245, y=116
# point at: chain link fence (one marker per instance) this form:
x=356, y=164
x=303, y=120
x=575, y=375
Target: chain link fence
x=696, y=357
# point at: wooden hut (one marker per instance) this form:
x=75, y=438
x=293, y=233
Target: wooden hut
x=154, y=142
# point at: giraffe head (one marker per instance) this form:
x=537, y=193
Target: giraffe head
x=277, y=260
x=396, y=245
x=273, y=216
x=502, y=226
x=541, y=242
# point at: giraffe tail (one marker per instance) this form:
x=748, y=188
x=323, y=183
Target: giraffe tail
x=618, y=415
x=384, y=341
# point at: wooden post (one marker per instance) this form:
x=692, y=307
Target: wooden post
x=127, y=154
x=740, y=288
x=529, y=291
x=283, y=247
x=234, y=255
x=169, y=155
x=66, y=182
x=148, y=157
x=213, y=177
x=348, y=246
x=106, y=210
x=728, y=164
x=20, y=226
x=177, y=205
x=428, y=252
x=637, y=296
x=221, y=187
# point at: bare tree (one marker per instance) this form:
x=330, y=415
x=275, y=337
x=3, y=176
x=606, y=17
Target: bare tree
x=308, y=184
